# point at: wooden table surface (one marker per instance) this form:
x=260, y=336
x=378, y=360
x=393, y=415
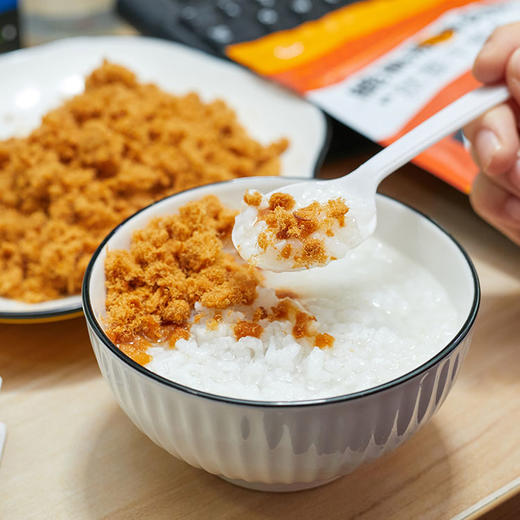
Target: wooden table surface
x=71, y=453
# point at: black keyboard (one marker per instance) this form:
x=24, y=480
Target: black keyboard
x=212, y=25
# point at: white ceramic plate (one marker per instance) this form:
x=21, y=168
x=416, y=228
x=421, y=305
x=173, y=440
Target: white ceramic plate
x=35, y=80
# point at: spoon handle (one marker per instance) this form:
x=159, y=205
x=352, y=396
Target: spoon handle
x=443, y=123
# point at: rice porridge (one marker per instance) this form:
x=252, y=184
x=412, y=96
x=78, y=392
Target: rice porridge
x=356, y=323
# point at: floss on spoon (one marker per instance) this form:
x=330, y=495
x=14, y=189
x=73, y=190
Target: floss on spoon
x=309, y=224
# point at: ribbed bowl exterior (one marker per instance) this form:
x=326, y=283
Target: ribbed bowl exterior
x=278, y=448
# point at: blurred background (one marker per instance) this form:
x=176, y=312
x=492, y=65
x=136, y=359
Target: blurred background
x=31, y=22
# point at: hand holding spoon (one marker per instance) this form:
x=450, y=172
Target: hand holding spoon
x=357, y=189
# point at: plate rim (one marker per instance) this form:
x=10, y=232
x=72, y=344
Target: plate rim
x=62, y=313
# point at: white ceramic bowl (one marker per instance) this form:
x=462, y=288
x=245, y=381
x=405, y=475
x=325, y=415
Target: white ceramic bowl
x=285, y=446
x=35, y=80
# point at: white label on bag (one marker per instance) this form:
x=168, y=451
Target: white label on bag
x=381, y=98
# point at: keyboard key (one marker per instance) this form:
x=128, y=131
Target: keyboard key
x=301, y=6
x=200, y=18
x=266, y=3
x=188, y=13
x=220, y=34
x=230, y=8
x=267, y=16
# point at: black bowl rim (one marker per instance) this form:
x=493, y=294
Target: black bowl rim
x=21, y=316
x=450, y=347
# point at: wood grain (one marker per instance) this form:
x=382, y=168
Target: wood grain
x=71, y=453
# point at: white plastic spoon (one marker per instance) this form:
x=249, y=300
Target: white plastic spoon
x=358, y=188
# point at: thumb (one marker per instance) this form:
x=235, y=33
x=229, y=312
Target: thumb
x=513, y=75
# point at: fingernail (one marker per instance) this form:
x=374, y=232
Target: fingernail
x=486, y=146
x=514, y=175
x=515, y=63
x=512, y=208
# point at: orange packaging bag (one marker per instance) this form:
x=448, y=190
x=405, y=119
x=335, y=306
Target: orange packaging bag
x=384, y=66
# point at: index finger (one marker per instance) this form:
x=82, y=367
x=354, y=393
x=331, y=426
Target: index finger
x=490, y=63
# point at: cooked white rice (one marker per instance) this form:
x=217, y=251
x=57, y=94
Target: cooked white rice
x=387, y=314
